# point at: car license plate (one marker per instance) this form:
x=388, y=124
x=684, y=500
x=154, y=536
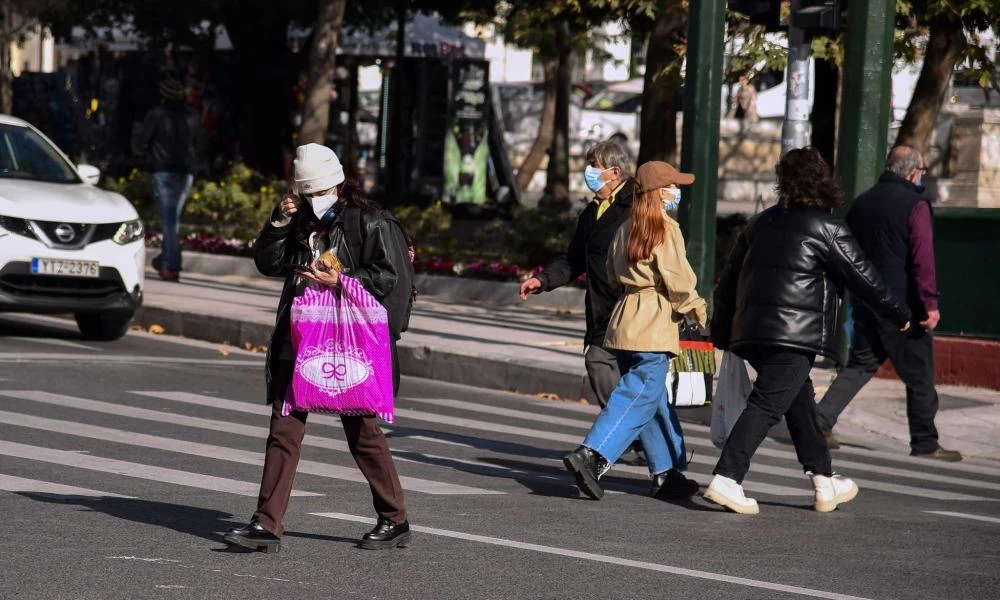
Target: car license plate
x=73, y=268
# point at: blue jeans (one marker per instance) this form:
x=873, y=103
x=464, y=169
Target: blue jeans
x=171, y=191
x=639, y=408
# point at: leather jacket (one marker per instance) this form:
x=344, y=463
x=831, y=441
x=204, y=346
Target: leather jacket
x=785, y=279
x=168, y=139
x=279, y=246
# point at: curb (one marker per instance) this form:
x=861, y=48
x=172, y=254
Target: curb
x=494, y=373
x=447, y=289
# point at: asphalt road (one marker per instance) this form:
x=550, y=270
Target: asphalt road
x=121, y=463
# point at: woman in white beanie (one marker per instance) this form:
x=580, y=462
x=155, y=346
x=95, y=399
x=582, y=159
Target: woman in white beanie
x=312, y=219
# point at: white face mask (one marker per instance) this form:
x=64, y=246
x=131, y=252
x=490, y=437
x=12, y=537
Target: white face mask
x=321, y=204
x=671, y=198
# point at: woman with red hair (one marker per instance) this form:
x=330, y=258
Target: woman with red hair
x=647, y=257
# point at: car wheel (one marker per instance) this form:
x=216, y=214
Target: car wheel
x=101, y=327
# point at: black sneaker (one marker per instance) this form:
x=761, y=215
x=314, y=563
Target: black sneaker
x=587, y=466
x=673, y=485
x=387, y=535
x=254, y=536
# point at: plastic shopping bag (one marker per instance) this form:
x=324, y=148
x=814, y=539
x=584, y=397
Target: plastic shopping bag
x=343, y=361
x=730, y=397
x=689, y=379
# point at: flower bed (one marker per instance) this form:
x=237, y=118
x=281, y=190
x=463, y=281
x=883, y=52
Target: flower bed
x=201, y=242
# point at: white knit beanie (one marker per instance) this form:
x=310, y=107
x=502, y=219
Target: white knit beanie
x=317, y=168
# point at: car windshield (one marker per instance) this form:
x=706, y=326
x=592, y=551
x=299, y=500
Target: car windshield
x=26, y=155
x=615, y=101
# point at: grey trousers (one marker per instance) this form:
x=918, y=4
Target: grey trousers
x=603, y=373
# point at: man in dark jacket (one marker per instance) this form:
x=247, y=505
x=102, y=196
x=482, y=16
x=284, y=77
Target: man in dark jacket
x=167, y=140
x=607, y=175
x=608, y=178
x=892, y=223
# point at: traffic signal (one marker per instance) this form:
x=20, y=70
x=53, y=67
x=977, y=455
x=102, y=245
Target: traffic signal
x=760, y=12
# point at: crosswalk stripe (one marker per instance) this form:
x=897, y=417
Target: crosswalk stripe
x=964, y=516
x=9, y=483
x=602, y=558
x=49, y=357
x=56, y=342
x=697, y=441
x=237, y=406
x=136, y=470
x=309, y=467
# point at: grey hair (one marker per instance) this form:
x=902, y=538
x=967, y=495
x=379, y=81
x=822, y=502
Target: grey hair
x=608, y=154
x=903, y=160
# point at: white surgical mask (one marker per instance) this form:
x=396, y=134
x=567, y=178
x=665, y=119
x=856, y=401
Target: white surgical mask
x=671, y=198
x=321, y=204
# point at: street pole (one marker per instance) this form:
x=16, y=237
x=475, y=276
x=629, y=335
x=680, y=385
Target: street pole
x=700, y=137
x=797, y=129
x=864, y=120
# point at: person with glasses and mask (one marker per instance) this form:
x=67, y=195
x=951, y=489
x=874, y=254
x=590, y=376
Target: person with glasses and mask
x=893, y=224
x=607, y=175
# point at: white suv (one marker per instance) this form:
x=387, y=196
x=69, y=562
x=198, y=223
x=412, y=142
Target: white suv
x=65, y=245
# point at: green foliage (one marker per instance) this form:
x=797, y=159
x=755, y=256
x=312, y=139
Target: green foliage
x=531, y=236
x=429, y=227
x=234, y=206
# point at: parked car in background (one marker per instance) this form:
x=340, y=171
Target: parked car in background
x=66, y=246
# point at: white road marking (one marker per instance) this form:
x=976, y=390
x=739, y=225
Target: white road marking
x=964, y=516
x=310, y=467
x=613, y=560
x=56, y=342
x=45, y=357
x=244, y=407
x=136, y=470
x=10, y=483
x=770, y=452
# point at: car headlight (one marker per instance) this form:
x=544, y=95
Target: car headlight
x=128, y=232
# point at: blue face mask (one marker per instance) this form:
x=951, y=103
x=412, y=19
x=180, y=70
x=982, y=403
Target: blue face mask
x=673, y=199
x=592, y=175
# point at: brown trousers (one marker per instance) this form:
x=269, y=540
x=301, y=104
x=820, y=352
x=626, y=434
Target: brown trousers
x=368, y=446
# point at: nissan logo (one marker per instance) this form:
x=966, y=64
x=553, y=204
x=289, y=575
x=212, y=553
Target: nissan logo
x=65, y=233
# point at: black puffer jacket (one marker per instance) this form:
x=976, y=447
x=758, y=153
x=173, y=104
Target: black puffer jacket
x=278, y=247
x=784, y=280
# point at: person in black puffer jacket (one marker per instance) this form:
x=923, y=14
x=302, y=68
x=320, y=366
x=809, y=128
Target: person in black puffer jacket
x=777, y=305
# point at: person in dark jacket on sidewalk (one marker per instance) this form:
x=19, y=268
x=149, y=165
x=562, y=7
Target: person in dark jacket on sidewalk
x=309, y=222
x=167, y=140
x=777, y=304
x=607, y=176
x=892, y=222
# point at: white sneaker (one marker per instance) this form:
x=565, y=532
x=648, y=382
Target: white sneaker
x=728, y=494
x=832, y=491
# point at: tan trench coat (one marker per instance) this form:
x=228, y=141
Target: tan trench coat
x=659, y=291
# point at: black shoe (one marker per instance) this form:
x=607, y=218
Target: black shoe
x=639, y=460
x=387, y=535
x=673, y=485
x=587, y=466
x=158, y=262
x=254, y=536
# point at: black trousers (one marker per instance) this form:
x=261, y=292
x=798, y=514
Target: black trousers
x=783, y=388
x=912, y=355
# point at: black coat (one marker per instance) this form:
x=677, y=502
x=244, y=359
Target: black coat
x=276, y=248
x=784, y=280
x=588, y=253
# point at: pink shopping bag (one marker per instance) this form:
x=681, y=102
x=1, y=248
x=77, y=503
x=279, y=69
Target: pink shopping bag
x=343, y=362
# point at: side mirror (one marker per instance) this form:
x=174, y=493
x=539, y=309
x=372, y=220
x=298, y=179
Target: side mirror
x=91, y=175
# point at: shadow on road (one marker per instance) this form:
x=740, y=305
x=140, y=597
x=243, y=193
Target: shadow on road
x=36, y=329
x=205, y=523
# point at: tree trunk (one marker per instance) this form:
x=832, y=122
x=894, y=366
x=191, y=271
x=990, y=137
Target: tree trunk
x=6, y=77
x=322, y=62
x=944, y=48
x=658, y=127
x=546, y=127
x=558, y=173
x=824, y=112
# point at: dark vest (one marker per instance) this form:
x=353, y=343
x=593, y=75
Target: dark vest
x=880, y=220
